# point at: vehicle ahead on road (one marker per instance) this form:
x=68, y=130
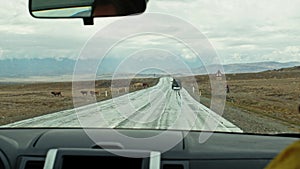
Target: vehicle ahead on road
x=176, y=84
x=116, y=107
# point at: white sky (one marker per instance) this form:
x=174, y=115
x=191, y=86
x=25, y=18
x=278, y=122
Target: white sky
x=240, y=31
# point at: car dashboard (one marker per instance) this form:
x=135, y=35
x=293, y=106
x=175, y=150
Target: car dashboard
x=38, y=148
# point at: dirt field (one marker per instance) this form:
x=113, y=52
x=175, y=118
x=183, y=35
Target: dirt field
x=272, y=94
x=256, y=102
x=22, y=101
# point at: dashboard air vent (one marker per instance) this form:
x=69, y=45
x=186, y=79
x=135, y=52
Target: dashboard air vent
x=32, y=163
x=175, y=165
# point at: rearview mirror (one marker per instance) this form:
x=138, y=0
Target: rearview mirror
x=86, y=9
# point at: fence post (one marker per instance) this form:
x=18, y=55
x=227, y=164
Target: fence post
x=199, y=95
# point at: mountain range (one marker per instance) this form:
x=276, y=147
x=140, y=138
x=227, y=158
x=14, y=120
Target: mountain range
x=248, y=67
x=22, y=68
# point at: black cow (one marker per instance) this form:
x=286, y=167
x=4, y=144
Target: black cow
x=56, y=93
x=145, y=85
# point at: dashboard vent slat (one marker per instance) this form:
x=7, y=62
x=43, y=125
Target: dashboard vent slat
x=175, y=164
x=28, y=162
x=34, y=165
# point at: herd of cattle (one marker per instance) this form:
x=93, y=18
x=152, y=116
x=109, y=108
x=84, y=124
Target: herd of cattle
x=113, y=90
x=93, y=93
x=140, y=85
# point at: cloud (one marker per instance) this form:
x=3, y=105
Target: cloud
x=250, y=28
x=188, y=54
x=289, y=53
x=23, y=36
x=240, y=31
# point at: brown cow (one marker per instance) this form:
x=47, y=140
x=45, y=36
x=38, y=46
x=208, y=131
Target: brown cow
x=83, y=92
x=93, y=93
x=140, y=85
x=136, y=85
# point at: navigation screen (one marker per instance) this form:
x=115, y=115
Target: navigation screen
x=101, y=162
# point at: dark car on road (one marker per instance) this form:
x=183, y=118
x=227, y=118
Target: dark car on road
x=176, y=84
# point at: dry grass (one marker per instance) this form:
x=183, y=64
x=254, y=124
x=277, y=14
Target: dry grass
x=278, y=98
x=22, y=101
x=274, y=93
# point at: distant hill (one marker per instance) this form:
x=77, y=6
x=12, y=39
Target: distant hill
x=250, y=67
x=17, y=68
x=22, y=68
x=289, y=69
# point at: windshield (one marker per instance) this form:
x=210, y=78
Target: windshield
x=229, y=66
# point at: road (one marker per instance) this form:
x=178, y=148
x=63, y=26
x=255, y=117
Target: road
x=157, y=107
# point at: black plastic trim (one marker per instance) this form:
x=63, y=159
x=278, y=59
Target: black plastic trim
x=4, y=160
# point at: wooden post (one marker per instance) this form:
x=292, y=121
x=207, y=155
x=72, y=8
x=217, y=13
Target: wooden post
x=199, y=95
